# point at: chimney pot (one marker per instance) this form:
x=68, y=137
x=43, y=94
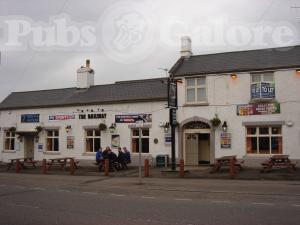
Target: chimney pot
x=87, y=63
x=186, y=46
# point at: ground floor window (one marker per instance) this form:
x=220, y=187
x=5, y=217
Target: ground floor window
x=92, y=140
x=9, y=140
x=53, y=140
x=264, y=140
x=145, y=140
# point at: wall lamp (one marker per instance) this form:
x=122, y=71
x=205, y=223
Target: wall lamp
x=68, y=128
x=224, y=126
x=36, y=138
x=166, y=127
x=20, y=138
x=112, y=128
x=233, y=75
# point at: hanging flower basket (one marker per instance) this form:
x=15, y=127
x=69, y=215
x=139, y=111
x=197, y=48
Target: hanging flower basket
x=215, y=122
x=12, y=129
x=102, y=127
x=39, y=129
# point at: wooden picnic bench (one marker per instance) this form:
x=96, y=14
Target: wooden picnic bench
x=61, y=162
x=279, y=162
x=24, y=162
x=225, y=161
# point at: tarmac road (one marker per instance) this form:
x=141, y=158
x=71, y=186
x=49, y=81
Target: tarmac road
x=37, y=199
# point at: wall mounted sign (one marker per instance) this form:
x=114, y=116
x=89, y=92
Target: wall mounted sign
x=132, y=118
x=70, y=142
x=30, y=118
x=115, y=140
x=92, y=116
x=225, y=140
x=61, y=117
x=40, y=147
x=258, y=109
x=168, y=139
x=263, y=90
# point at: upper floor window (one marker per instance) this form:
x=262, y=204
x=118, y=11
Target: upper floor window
x=92, y=140
x=9, y=140
x=196, y=90
x=262, y=85
x=52, y=140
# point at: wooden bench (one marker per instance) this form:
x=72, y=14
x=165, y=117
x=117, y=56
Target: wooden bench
x=279, y=162
x=225, y=162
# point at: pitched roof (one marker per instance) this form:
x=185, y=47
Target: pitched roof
x=119, y=92
x=241, y=61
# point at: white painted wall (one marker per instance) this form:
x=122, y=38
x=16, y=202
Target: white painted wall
x=224, y=93
x=13, y=118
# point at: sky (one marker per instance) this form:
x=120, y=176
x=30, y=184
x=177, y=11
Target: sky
x=44, y=42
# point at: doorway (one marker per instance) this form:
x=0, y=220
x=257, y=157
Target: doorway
x=197, y=148
x=29, y=146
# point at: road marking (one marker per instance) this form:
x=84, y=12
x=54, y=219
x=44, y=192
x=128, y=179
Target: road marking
x=61, y=190
x=118, y=195
x=148, y=197
x=39, y=189
x=3, y=185
x=115, y=186
x=183, y=199
x=296, y=205
x=220, y=201
x=262, y=203
x=26, y=206
x=89, y=193
x=19, y=187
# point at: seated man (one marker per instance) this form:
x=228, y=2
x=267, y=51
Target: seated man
x=122, y=159
x=99, y=158
x=127, y=155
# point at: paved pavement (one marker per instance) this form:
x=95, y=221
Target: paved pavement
x=55, y=199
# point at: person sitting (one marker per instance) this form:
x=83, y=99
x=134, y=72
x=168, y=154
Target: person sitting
x=99, y=158
x=122, y=159
x=113, y=160
x=127, y=155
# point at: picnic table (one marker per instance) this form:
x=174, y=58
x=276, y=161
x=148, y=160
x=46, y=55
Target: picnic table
x=61, y=162
x=225, y=162
x=278, y=161
x=23, y=162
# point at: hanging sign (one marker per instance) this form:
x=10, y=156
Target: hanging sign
x=61, y=117
x=172, y=93
x=225, y=140
x=30, y=118
x=258, y=109
x=132, y=118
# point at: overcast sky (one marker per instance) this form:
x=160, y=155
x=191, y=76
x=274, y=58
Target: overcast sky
x=131, y=39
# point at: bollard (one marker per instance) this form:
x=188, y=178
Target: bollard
x=18, y=166
x=181, y=167
x=232, y=168
x=72, y=166
x=106, y=167
x=44, y=166
x=146, y=168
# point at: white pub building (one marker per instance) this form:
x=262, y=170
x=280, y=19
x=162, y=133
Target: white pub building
x=244, y=103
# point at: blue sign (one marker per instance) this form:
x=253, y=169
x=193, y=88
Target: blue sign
x=263, y=90
x=30, y=118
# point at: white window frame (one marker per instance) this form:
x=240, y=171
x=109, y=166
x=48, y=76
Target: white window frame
x=11, y=137
x=52, y=138
x=94, y=136
x=196, y=86
x=270, y=135
x=142, y=136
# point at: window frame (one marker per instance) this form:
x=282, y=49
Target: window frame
x=257, y=135
x=195, y=88
x=94, y=136
x=142, y=137
x=11, y=137
x=52, y=138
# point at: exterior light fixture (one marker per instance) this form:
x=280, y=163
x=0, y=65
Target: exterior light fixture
x=233, y=75
x=20, y=138
x=112, y=128
x=68, y=128
x=224, y=127
x=36, y=138
x=166, y=127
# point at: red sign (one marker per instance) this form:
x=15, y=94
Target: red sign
x=61, y=117
x=258, y=109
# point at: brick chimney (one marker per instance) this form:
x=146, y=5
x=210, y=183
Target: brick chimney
x=186, y=47
x=85, y=76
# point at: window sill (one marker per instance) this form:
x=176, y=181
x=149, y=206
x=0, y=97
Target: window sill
x=89, y=153
x=51, y=153
x=9, y=151
x=195, y=104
